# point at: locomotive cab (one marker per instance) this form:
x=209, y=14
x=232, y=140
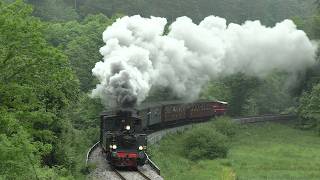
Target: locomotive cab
x=122, y=139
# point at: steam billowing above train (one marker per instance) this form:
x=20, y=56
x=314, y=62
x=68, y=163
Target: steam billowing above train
x=140, y=53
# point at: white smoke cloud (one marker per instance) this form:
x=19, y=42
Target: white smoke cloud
x=138, y=55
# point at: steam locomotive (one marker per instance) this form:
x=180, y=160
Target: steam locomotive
x=122, y=138
x=123, y=132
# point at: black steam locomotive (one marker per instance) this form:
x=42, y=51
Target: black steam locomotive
x=122, y=138
x=122, y=132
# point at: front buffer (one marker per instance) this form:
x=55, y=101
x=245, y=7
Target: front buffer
x=127, y=159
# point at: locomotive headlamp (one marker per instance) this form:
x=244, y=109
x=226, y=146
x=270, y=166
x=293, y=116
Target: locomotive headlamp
x=140, y=148
x=127, y=127
x=114, y=146
x=110, y=146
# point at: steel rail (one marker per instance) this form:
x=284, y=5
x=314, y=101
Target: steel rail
x=153, y=165
x=90, y=151
x=143, y=175
x=118, y=174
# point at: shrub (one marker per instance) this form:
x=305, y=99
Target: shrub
x=205, y=143
x=226, y=126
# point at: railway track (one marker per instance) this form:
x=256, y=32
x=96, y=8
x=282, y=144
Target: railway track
x=118, y=174
x=104, y=171
x=143, y=175
x=129, y=175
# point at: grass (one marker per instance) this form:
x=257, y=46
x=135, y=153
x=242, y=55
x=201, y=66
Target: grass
x=260, y=151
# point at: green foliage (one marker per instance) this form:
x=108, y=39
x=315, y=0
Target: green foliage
x=272, y=96
x=53, y=10
x=250, y=95
x=112, y=7
x=205, y=143
x=37, y=85
x=241, y=88
x=311, y=26
x=209, y=141
x=226, y=126
x=82, y=132
x=81, y=43
x=258, y=151
x=216, y=90
x=20, y=156
x=27, y=61
x=269, y=11
x=309, y=108
x=85, y=114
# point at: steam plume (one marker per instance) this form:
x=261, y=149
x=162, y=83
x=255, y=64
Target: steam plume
x=138, y=55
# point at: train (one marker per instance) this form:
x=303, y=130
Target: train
x=123, y=132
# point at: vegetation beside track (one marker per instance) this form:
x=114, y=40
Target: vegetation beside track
x=257, y=151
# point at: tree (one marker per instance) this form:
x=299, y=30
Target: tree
x=216, y=90
x=54, y=10
x=37, y=85
x=271, y=96
x=241, y=88
x=309, y=108
x=81, y=43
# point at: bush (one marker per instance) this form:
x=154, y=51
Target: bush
x=205, y=143
x=226, y=126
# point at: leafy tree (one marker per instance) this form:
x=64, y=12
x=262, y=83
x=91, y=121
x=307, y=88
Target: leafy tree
x=81, y=43
x=20, y=156
x=27, y=60
x=216, y=90
x=53, y=10
x=271, y=96
x=309, y=108
x=269, y=11
x=251, y=96
x=37, y=85
x=241, y=88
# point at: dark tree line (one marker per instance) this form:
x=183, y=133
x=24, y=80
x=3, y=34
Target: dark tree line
x=269, y=11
